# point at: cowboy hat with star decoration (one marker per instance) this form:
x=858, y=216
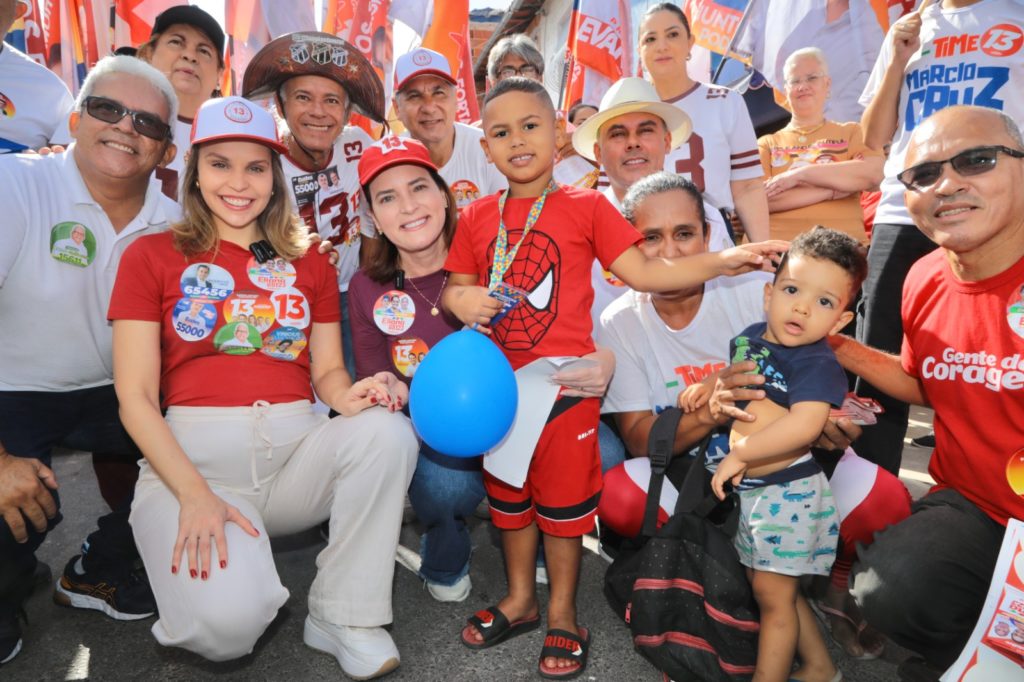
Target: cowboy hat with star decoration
x=310, y=53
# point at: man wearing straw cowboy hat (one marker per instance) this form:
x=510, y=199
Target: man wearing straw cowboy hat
x=630, y=136
x=316, y=81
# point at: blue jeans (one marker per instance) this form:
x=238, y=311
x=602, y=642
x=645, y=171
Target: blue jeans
x=348, y=354
x=613, y=452
x=444, y=492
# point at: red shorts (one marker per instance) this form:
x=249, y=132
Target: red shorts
x=563, y=484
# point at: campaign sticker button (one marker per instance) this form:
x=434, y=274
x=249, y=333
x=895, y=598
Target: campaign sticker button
x=72, y=243
x=273, y=275
x=407, y=354
x=284, y=343
x=207, y=282
x=291, y=308
x=193, y=319
x=394, y=312
x=250, y=306
x=237, y=338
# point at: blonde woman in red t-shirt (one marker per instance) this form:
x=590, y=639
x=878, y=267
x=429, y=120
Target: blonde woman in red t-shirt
x=241, y=455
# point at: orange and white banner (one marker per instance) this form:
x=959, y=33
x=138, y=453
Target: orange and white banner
x=449, y=35
x=367, y=26
x=597, y=51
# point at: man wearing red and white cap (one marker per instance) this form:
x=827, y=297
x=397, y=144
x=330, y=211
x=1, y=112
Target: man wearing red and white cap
x=426, y=102
x=34, y=102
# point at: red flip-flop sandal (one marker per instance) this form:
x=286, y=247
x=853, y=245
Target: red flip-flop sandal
x=494, y=627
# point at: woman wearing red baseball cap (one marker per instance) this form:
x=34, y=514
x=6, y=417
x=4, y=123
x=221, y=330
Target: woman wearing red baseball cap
x=396, y=319
x=241, y=455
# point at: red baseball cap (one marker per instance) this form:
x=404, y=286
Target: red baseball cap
x=421, y=62
x=392, y=151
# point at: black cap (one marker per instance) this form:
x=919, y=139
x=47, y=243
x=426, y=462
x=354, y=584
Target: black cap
x=127, y=51
x=192, y=16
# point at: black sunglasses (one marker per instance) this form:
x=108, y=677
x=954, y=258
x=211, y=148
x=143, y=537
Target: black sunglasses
x=110, y=111
x=973, y=161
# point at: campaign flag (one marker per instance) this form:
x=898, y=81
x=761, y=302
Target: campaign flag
x=26, y=34
x=597, y=51
x=367, y=26
x=133, y=19
x=449, y=35
x=251, y=24
x=712, y=25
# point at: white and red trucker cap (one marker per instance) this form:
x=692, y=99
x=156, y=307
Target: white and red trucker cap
x=235, y=118
x=421, y=62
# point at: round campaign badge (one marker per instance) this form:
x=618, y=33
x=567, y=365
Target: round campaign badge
x=407, y=354
x=1015, y=472
x=284, y=343
x=291, y=308
x=193, y=319
x=72, y=243
x=465, y=191
x=1015, y=311
x=250, y=306
x=273, y=275
x=207, y=282
x=394, y=312
x=237, y=338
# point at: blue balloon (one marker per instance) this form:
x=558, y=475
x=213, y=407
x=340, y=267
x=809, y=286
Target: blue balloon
x=463, y=396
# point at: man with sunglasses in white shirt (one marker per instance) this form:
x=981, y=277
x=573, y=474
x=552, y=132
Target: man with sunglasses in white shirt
x=923, y=581
x=56, y=384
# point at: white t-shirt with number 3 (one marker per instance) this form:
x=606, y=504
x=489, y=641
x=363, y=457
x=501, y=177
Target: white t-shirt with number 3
x=723, y=146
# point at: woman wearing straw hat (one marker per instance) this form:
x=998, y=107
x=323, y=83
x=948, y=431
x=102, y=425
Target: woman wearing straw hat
x=241, y=455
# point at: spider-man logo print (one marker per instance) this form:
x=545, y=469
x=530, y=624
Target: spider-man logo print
x=537, y=271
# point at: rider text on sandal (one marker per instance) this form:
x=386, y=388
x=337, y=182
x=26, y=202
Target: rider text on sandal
x=566, y=645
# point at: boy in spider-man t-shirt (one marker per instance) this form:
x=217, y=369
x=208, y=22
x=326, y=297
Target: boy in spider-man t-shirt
x=543, y=243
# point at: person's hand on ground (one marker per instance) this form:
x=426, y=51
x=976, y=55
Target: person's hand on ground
x=25, y=486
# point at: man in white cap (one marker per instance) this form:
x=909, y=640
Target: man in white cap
x=34, y=102
x=426, y=102
x=630, y=136
x=317, y=80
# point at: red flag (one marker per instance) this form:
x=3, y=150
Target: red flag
x=449, y=35
x=133, y=19
x=367, y=27
x=598, y=49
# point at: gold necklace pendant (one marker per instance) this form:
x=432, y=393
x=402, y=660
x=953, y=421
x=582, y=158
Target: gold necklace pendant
x=435, y=312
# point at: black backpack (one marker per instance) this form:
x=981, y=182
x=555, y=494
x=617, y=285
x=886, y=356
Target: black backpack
x=681, y=588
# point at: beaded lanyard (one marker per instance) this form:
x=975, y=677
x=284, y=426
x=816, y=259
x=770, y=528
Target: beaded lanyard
x=502, y=256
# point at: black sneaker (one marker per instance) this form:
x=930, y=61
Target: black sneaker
x=124, y=596
x=925, y=441
x=10, y=633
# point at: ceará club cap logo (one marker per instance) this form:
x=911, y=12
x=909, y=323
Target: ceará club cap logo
x=239, y=112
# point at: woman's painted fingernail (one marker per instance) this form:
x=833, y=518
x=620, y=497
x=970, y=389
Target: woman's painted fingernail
x=373, y=400
x=174, y=570
x=192, y=572
x=205, y=575
x=223, y=564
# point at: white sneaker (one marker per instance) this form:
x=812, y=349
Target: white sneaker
x=457, y=592
x=363, y=653
x=542, y=575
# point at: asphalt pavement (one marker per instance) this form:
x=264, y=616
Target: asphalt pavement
x=68, y=644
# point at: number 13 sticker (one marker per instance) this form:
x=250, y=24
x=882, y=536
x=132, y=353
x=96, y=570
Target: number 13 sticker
x=291, y=308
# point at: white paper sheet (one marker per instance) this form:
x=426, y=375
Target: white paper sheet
x=510, y=459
